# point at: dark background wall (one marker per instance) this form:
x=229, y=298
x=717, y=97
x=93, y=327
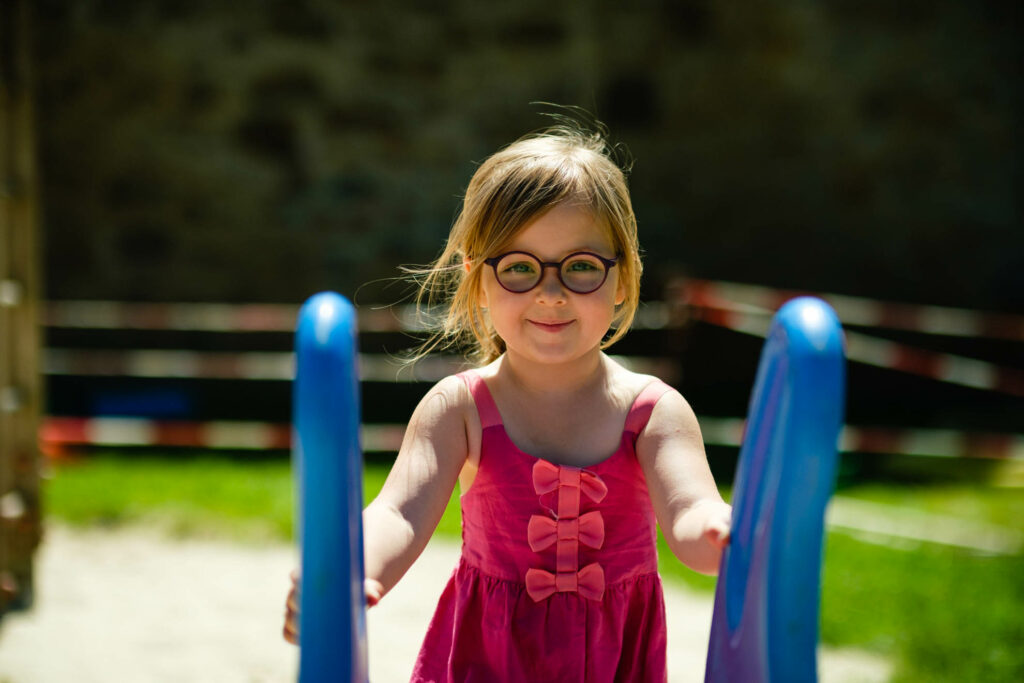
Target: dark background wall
x=234, y=151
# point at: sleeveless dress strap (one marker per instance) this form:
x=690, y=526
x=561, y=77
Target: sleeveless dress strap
x=643, y=406
x=485, y=405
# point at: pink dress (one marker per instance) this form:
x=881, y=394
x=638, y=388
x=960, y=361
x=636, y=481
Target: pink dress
x=558, y=575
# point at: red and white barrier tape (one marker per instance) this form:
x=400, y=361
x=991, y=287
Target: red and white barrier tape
x=947, y=443
x=117, y=431
x=122, y=315
x=281, y=317
x=205, y=317
x=256, y=317
x=129, y=431
x=253, y=365
x=882, y=353
x=864, y=312
x=186, y=317
x=382, y=368
x=744, y=308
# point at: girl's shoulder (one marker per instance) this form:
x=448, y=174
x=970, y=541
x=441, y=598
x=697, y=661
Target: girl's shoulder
x=454, y=390
x=446, y=399
x=629, y=384
x=670, y=407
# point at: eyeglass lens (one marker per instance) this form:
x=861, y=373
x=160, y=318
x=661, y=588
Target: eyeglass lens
x=581, y=273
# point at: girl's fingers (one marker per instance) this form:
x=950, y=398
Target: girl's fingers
x=374, y=591
x=290, y=630
x=291, y=627
x=718, y=534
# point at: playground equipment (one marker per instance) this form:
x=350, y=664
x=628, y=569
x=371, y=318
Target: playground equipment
x=765, y=623
x=329, y=476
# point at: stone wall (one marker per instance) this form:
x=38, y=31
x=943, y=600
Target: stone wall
x=262, y=151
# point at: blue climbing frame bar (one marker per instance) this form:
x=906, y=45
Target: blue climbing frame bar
x=765, y=624
x=329, y=478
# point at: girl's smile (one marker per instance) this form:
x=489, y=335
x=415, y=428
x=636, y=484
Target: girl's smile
x=552, y=325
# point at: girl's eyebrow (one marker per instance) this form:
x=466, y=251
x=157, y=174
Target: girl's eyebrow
x=574, y=250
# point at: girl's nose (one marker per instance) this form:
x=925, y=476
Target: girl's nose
x=550, y=289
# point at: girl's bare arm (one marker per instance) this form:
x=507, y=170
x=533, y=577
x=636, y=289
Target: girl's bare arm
x=692, y=515
x=401, y=519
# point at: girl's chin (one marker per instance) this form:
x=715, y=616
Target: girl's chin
x=553, y=353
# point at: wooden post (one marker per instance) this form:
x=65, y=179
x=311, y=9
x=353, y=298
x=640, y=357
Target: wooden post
x=21, y=387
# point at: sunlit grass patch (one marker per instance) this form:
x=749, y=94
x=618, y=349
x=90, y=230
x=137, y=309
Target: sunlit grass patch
x=946, y=614
x=209, y=495
x=205, y=496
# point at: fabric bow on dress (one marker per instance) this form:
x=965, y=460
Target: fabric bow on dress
x=588, y=582
x=548, y=476
x=544, y=531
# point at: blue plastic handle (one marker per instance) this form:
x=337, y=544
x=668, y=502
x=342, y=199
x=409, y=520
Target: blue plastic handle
x=765, y=623
x=329, y=475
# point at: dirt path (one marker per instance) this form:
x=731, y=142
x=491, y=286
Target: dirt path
x=131, y=605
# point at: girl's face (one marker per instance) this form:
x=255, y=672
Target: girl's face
x=550, y=323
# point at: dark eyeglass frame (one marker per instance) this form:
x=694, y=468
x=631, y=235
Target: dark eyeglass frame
x=609, y=263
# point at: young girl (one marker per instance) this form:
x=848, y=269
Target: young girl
x=564, y=458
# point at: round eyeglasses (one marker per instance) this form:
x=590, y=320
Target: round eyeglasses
x=581, y=272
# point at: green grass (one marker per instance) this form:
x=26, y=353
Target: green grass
x=210, y=496
x=995, y=505
x=204, y=496
x=941, y=614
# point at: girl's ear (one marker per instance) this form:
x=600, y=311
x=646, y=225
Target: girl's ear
x=620, y=293
x=467, y=264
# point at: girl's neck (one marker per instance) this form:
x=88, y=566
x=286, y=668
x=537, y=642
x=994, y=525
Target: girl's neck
x=550, y=380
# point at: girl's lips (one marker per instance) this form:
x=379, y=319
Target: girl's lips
x=553, y=326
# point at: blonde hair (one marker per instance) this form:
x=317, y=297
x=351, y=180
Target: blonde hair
x=509, y=190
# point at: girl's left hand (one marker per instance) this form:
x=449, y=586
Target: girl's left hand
x=374, y=591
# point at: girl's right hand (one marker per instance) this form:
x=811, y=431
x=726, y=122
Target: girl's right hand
x=374, y=592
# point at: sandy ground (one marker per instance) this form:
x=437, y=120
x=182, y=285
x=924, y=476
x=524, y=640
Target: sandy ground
x=132, y=605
